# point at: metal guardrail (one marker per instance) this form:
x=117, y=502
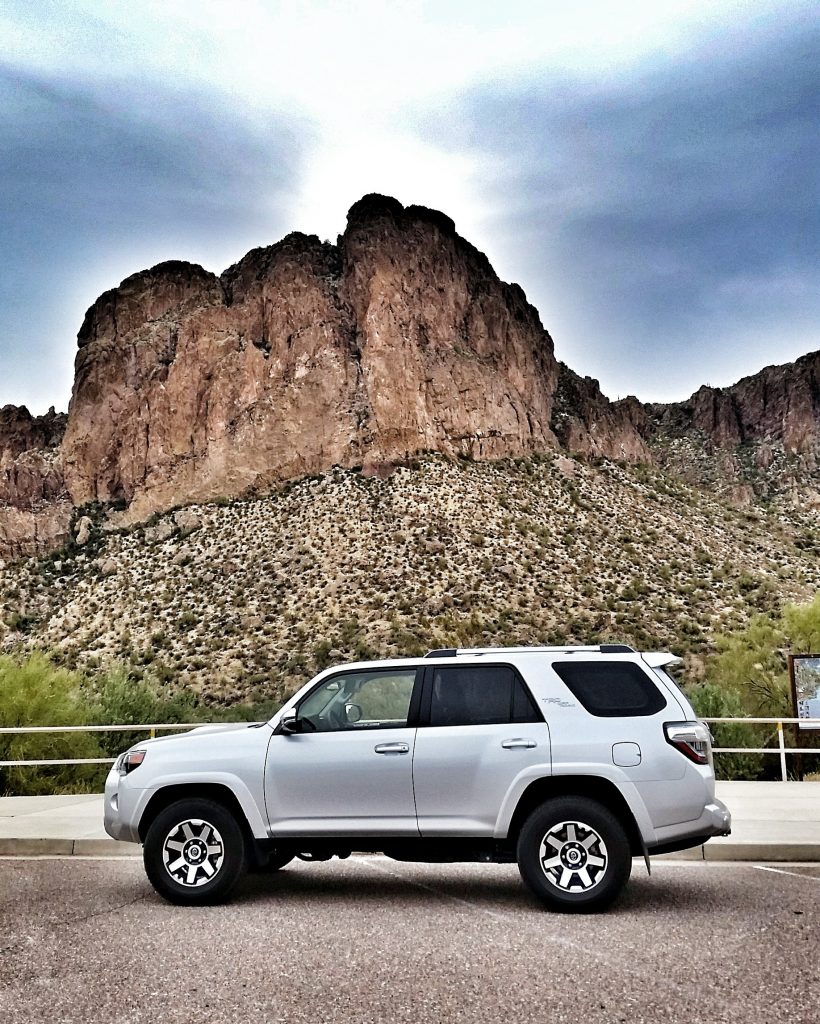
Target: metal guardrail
x=152, y=730
x=781, y=749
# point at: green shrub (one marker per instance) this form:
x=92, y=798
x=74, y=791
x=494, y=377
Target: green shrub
x=751, y=665
x=117, y=699
x=712, y=701
x=35, y=692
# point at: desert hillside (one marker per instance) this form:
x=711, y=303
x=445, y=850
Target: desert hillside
x=245, y=599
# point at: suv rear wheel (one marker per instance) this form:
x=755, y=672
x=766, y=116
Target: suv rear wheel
x=574, y=854
x=194, y=852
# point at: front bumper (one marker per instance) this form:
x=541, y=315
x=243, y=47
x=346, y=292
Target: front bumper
x=118, y=801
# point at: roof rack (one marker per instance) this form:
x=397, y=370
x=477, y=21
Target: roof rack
x=454, y=652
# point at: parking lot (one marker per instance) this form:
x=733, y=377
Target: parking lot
x=370, y=939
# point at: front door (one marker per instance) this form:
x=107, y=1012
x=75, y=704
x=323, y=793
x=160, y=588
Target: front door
x=350, y=770
x=479, y=731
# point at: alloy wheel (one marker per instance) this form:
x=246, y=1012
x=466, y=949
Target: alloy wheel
x=573, y=857
x=193, y=852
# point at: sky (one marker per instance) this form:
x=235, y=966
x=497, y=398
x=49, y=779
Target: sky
x=647, y=172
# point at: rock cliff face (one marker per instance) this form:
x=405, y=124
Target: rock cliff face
x=34, y=507
x=780, y=404
x=758, y=438
x=587, y=423
x=399, y=339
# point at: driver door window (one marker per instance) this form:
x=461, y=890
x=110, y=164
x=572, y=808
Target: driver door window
x=359, y=700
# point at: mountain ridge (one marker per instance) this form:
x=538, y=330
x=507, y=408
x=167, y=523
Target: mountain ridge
x=396, y=340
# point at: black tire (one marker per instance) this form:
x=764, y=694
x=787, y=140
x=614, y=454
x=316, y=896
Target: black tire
x=204, y=836
x=573, y=854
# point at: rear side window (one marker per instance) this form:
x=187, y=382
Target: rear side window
x=611, y=689
x=479, y=695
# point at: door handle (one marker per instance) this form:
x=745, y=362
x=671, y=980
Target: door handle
x=392, y=748
x=517, y=743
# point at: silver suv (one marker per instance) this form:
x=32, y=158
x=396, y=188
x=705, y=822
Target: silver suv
x=569, y=761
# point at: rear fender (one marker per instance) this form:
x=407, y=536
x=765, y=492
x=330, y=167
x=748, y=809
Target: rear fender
x=613, y=789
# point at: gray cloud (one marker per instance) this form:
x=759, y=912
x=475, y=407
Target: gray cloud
x=666, y=222
x=98, y=182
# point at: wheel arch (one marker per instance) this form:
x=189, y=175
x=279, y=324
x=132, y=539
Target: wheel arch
x=217, y=792
x=602, y=790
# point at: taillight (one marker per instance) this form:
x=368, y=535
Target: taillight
x=690, y=738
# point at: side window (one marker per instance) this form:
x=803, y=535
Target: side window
x=479, y=695
x=360, y=700
x=611, y=689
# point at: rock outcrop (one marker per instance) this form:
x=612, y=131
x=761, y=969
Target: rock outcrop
x=758, y=438
x=398, y=339
x=587, y=423
x=34, y=507
x=779, y=404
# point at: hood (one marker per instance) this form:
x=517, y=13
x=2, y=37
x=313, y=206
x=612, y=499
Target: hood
x=200, y=730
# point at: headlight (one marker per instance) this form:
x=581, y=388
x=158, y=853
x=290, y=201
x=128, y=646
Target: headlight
x=130, y=760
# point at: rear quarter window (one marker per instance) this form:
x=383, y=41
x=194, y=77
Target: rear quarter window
x=611, y=689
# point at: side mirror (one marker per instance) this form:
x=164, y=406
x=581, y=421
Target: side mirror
x=290, y=723
x=353, y=713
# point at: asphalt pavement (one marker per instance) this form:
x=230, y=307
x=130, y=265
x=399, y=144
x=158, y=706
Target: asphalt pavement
x=369, y=939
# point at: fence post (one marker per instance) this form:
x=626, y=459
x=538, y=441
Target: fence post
x=782, y=744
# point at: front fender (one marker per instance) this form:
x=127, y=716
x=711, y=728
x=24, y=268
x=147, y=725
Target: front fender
x=232, y=782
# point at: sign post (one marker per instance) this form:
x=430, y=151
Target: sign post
x=804, y=676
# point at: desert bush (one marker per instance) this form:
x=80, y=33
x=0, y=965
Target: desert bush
x=712, y=701
x=115, y=698
x=751, y=665
x=35, y=692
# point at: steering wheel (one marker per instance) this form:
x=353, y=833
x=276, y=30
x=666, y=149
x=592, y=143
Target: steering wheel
x=336, y=717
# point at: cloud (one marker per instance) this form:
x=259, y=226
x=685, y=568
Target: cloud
x=99, y=181
x=665, y=220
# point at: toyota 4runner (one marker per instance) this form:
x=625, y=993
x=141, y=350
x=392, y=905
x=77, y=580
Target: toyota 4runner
x=569, y=761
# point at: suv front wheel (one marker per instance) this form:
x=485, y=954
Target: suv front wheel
x=574, y=854
x=194, y=852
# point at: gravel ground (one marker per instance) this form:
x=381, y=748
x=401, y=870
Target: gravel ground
x=369, y=940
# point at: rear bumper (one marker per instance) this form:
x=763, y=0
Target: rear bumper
x=716, y=820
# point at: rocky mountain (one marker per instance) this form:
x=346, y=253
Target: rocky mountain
x=369, y=448
x=35, y=509
x=399, y=339
x=757, y=439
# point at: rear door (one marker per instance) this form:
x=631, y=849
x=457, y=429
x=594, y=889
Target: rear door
x=479, y=729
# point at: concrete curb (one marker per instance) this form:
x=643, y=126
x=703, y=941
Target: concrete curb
x=715, y=851
x=68, y=848
x=783, y=852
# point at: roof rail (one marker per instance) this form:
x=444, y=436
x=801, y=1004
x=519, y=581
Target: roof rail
x=454, y=652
